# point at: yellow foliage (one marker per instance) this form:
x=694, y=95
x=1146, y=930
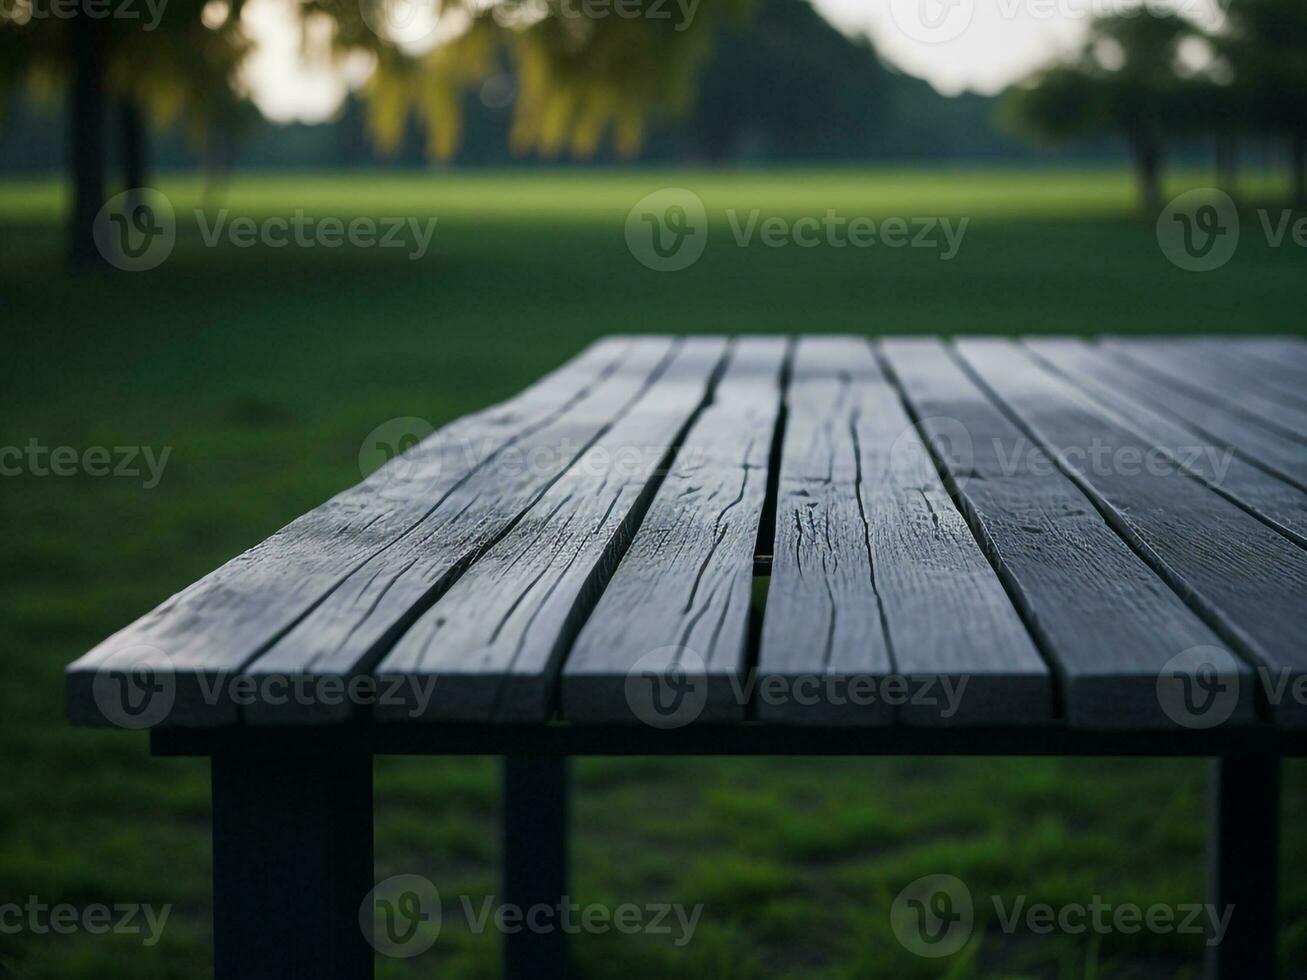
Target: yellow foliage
x=578, y=77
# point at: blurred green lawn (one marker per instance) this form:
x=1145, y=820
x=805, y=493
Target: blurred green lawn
x=264, y=369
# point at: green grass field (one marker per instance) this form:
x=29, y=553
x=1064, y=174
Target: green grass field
x=263, y=369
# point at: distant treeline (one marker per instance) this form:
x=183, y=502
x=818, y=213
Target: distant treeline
x=788, y=87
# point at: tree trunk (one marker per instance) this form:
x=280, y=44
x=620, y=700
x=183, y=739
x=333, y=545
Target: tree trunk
x=1227, y=162
x=217, y=160
x=134, y=148
x=87, y=138
x=1147, y=156
x=1298, y=162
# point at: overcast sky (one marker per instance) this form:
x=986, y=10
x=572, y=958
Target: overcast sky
x=956, y=45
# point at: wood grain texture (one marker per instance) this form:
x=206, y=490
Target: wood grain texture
x=491, y=647
x=881, y=604
x=1289, y=353
x=1109, y=623
x=1207, y=375
x=349, y=631
x=1283, y=379
x=1217, y=455
x=1246, y=580
x=1116, y=506
x=680, y=599
x=203, y=636
x=1255, y=441
x=822, y=617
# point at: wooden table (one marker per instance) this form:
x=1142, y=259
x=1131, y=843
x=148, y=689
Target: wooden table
x=821, y=546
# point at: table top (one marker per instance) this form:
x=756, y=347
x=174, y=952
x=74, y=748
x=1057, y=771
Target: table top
x=779, y=534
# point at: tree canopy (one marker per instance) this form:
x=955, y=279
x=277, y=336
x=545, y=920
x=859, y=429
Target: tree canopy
x=1127, y=77
x=1154, y=77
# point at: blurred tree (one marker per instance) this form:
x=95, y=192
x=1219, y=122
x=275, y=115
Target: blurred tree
x=583, y=68
x=151, y=62
x=1265, y=43
x=791, y=86
x=1125, y=78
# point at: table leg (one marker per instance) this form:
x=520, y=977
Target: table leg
x=292, y=862
x=535, y=863
x=1244, y=862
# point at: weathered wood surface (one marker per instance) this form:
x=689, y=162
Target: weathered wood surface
x=823, y=623
x=880, y=598
x=1281, y=377
x=821, y=532
x=1208, y=375
x=375, y=604
x=677, y=608
x=491, y=646
x=1218, y=452
x=1244, y=578
x=1104, y=617
x=1288, y=354
x=207, y=633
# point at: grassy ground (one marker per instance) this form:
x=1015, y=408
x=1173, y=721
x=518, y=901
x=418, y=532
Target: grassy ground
x=263, y=369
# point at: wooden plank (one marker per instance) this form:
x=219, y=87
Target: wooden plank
x=1273, y=451
x=822, y=617
x=881, y=603
x=679, y=601
x=1246, y=580
x=201, y=637
x=350, y=631
x=1285, y=380
x=1215, y=456
x=1206, y=376
x=1289, y=352
x=1231, y=361
x=1109, y=623
x=491, y=647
